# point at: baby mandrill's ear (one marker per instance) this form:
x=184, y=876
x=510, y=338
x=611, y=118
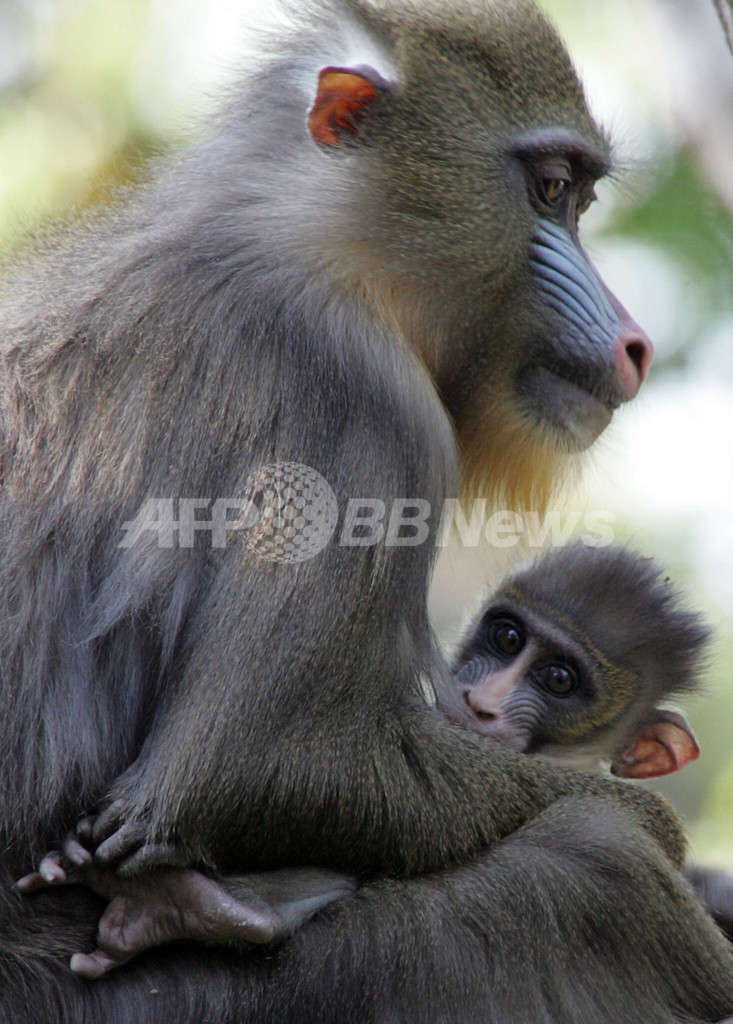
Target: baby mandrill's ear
x=666, y=745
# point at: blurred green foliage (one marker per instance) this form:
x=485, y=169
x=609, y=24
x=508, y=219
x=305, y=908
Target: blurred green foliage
x=682, y=218
x=72, y=126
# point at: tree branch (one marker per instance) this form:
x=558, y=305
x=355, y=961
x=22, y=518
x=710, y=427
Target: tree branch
x=725, y=13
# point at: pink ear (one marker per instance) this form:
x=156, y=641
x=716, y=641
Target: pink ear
x=666, y=745
x=343, y=94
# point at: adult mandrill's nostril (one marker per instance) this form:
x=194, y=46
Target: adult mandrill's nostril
x=633, y=356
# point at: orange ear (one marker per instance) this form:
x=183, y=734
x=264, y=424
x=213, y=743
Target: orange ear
x=343, y=93
x=666, y=745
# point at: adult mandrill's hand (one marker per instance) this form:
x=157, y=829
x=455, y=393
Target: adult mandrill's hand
x=167, y=904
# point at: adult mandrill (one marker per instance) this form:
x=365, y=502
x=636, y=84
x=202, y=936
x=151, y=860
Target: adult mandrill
x=366, y=290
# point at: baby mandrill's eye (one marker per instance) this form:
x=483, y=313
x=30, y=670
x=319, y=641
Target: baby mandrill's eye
x=558, y=680
x=507, y=637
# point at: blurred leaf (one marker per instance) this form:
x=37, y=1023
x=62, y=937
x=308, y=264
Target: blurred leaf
x=681, y=216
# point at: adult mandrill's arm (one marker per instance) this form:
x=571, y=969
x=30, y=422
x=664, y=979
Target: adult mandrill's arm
x=530, y=930
x=406, y=791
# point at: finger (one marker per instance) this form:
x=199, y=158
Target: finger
x=105, y=824
x=93, y=965
x=74, y=853
x=122, y=844
x=31, y=882
x=50, y=872
x=153, y=855
x=51, y=869
x=85, y=830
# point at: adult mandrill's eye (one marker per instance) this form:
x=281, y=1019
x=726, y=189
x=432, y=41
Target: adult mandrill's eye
x=558, y=680
x=553, y=189
x=507, y=637
x=553, y=179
